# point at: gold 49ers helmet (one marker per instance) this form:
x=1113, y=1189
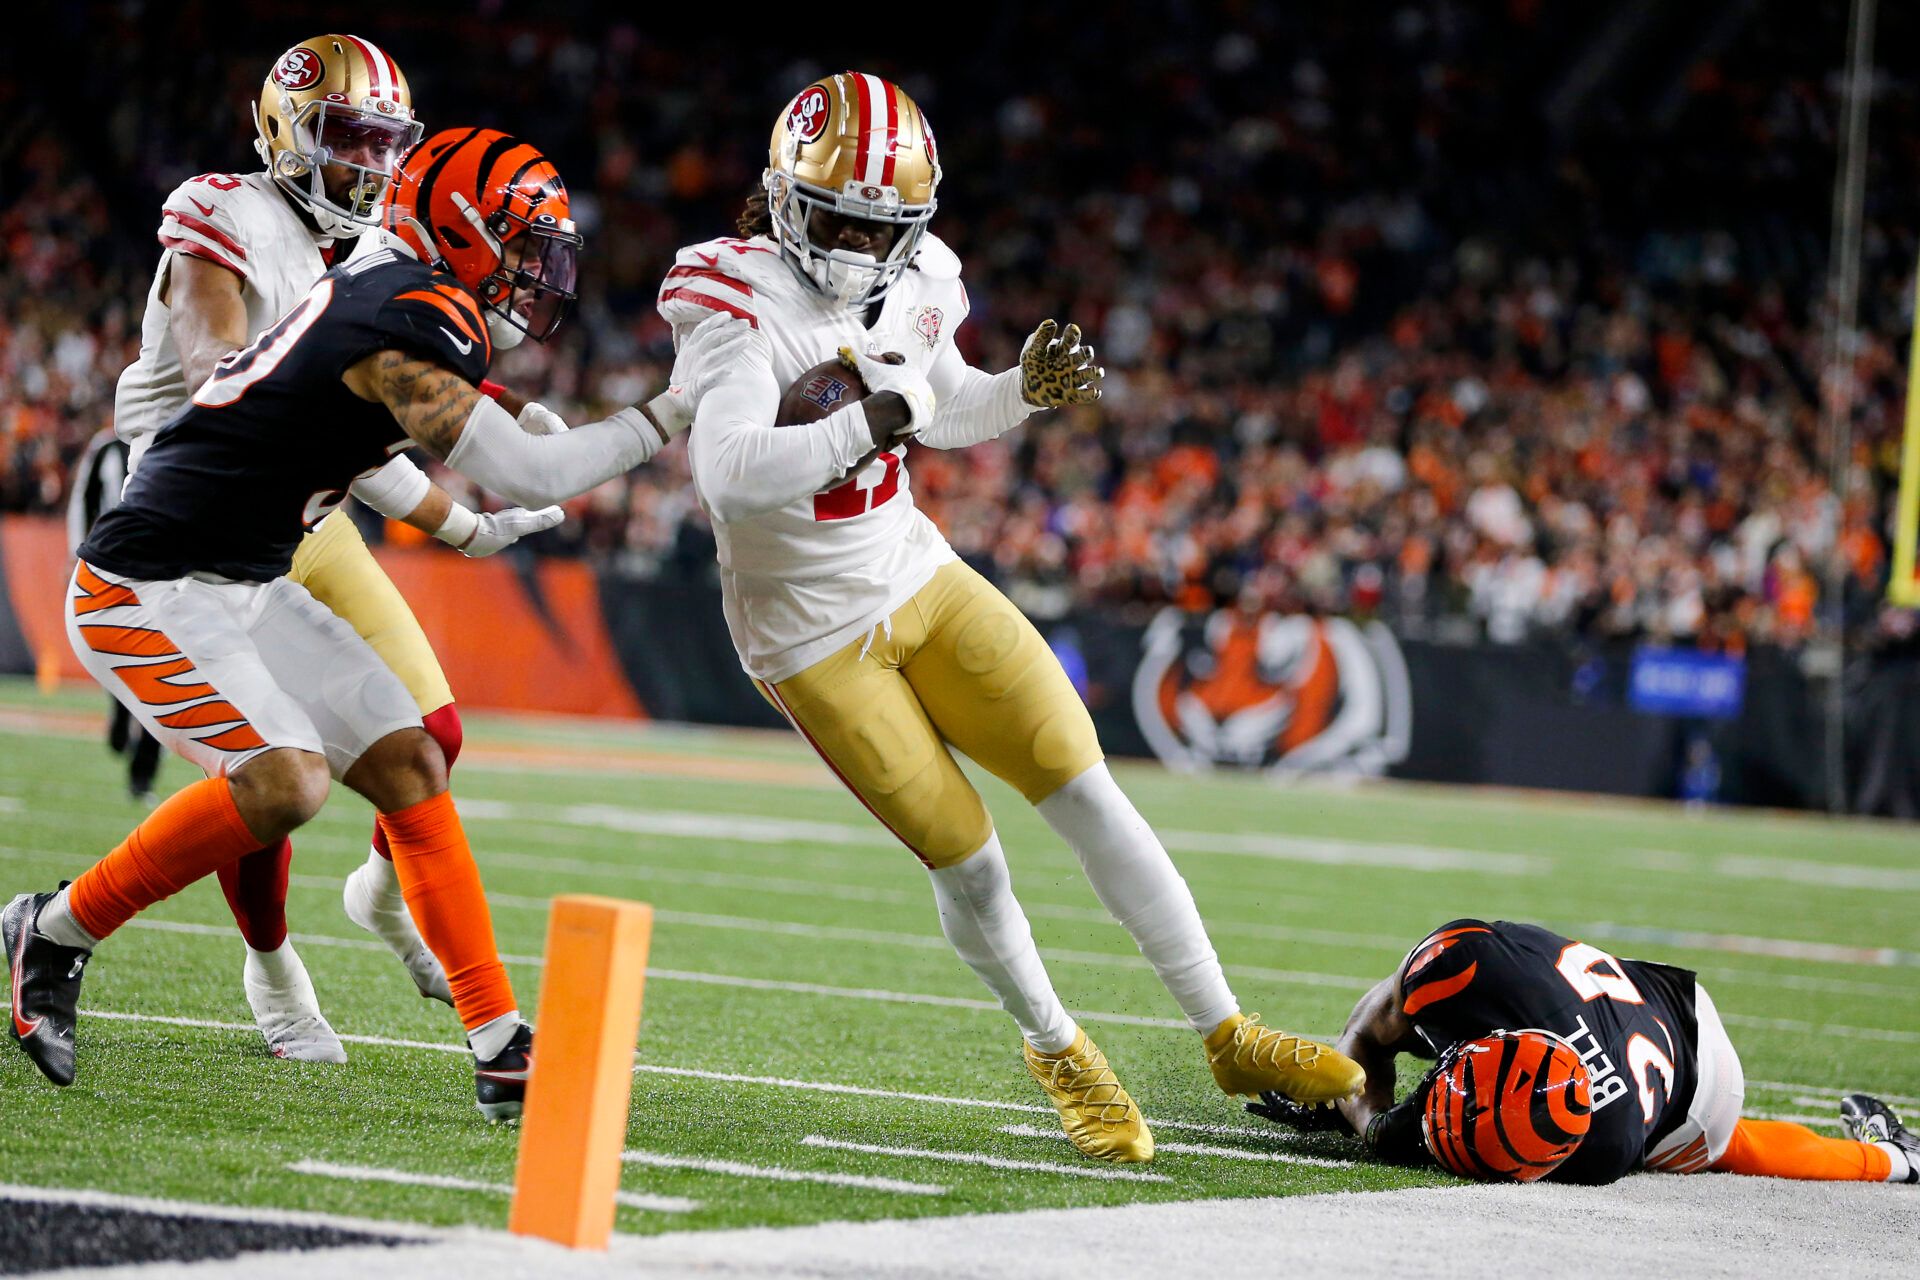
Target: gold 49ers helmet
x=858, y=146
x=335, y=101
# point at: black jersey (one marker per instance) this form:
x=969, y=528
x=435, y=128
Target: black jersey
x=269, y=445
x=1631, y=1022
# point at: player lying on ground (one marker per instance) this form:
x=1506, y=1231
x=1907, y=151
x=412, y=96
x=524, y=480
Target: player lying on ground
x=181, y=606
x=859, y=623
x=237, y=252
x=1559, y=1061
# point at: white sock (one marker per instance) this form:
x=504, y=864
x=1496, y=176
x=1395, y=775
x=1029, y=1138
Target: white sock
x=55, y=923
x=984, y=922
x=279, y=968
x=489, y=1038
x=1137, y=883
x=1902, y=1168
x=385, y=883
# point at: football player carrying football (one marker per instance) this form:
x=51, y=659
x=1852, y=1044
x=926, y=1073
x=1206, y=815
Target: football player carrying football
x=859, y=623
x=182, y=607
x=239, y=250
x=1559, y=1061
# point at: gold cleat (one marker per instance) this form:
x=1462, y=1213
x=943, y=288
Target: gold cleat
x=1248, y=1057
x=1096, y=1112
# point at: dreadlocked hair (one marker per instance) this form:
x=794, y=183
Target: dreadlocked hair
x=755, y=218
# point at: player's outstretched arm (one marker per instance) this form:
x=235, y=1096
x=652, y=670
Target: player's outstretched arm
x=401, y=491
x=446, y=415
x=1056, y=368
x=206, y=315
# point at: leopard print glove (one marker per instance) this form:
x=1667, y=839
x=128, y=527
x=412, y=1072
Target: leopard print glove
x=1055, y=369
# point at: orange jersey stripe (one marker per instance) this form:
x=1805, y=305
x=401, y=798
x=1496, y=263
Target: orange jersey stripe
x=434, y=298
x=239, y=738
x=219, y=711
x=1434, y=992
x=97, y=593
x=131, y=642
x=153, y=685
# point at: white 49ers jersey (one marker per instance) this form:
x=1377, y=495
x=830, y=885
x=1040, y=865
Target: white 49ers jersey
x=804, y=578
x=237, y=221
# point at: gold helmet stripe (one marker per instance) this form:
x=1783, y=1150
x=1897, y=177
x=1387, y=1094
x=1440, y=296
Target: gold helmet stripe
x=383, y=77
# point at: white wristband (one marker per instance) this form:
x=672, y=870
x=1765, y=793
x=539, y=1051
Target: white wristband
x=458, y=528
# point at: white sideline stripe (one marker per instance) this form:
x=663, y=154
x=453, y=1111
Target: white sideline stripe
x=980, y=1158
x=884, y=996
x=1795, y=1117
x=1779, y=948
x=1827, y=875
x=368, y=1173
x=706, y=979
x=1821, y=1028
x=1321, y=851
x=1194, y=1149
x=658, y=1160
x=222, y=1212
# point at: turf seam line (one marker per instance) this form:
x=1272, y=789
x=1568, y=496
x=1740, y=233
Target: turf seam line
x=981, y=1158
x=447, y=1182
x=778, y=1173
x=1193, y=1149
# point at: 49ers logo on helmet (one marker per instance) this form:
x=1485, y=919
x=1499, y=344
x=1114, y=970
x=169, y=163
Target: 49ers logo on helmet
x=299, y=68
x=808, y=119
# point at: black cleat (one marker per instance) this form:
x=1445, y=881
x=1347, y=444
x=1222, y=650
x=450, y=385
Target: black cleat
x=500, y=1082
x=45, y=988
x=1867, y=1119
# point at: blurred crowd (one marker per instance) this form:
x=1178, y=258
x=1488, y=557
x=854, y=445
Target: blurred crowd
x=1480, y=319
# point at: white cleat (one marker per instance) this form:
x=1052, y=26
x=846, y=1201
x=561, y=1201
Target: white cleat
x=288, y=1013
x=397, y=930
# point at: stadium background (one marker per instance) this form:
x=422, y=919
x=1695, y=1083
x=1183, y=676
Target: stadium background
x=1495, y=325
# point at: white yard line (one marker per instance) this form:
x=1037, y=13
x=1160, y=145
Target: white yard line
x=1795, y=1117
x=776, y=1173
x=884, y=996
x=1193, y=1149
x=1822, y=1028
x=403, y=1177
x=10, y=804
x=1743, y=944
x=980, y=1158
x=221, y=1212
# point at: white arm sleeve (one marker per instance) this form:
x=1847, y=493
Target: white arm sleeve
x=972, y=405
x=744, y=466
x=395, y=489
x=538, y=471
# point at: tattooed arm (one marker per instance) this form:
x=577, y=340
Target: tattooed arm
x=447, y=415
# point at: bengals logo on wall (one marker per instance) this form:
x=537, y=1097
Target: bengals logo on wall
x=1286, y=694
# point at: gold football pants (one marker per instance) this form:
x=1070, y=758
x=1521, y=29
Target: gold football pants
x=333, y=563
x=959, y=666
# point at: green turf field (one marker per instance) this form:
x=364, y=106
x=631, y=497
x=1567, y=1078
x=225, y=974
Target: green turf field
x=796, y=944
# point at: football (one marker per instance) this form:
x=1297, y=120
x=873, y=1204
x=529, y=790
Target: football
x=828, y=386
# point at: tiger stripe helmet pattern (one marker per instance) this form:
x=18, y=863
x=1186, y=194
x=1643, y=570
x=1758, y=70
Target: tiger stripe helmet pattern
x=493, y=211
x=1507, y=1107
x=855, y=145
x=336, y=101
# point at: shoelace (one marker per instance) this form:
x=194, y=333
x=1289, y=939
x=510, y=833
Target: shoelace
x=1102, y=1093
x=1261, y=1046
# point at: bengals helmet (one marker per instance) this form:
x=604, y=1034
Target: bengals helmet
x=335, y=100
x=1508, y=1107
x=493, y=211
x=858, y=146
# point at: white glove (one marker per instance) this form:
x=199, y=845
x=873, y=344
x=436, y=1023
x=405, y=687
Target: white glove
x=901, y=378
x=707, y=353
x=477, y=535
x=537, y=420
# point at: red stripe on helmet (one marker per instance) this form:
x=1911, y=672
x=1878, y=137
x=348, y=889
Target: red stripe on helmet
x=893, y=131
x=866, y=124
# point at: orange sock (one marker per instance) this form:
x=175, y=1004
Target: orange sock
x=447, y=902
x=1778, y=1149
x=195, y=832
